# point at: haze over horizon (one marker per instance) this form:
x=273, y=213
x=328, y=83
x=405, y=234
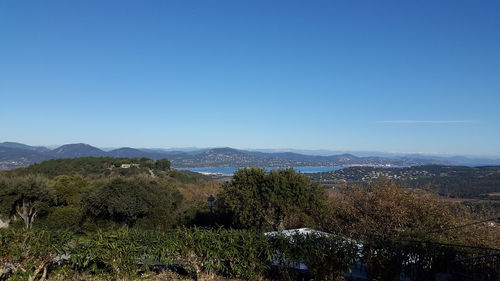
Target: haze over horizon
x=318, y=152
x=388, y=76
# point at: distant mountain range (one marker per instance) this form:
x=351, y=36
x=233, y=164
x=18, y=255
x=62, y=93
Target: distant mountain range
x=14, y=155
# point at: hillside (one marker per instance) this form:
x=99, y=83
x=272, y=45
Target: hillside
x=15, y=155
x=17, y=145
x=101, y=167
x=90, y=166
x=228, y=157
x=77, y=150
x=454, y=181
x=11, y=158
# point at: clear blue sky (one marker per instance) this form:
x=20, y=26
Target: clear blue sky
x=400, y=76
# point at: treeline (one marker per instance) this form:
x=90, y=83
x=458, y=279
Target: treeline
x=93, y=217
x=451, y=181
x=87, y=194
x=462, y=182
x=94, y=166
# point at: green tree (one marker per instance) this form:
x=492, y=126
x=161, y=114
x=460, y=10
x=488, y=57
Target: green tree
x=125, y=200
x=69, y=190
x=271, y=200
x=26, y=197
x=68, y=194
x=162, y=164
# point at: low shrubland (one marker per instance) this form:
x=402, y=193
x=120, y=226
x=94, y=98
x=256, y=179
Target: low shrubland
x=109, y=223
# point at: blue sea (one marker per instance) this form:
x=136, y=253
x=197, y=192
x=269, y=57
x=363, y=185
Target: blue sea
x=230, y=171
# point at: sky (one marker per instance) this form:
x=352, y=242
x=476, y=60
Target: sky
x=394, y=76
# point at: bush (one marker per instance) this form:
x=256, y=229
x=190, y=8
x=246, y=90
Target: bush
x=63, y=217
x=327, y=257
x=277, y=200
x=126, y=254
x=31, y=254
x=125, y=200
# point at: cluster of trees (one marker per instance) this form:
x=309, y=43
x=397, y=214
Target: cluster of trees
x=276, y=200
x=90, y=195
x=389, y=210
x=252, y=199
x=283, y=199
x=461, y=182
x=94, y=167
x=451, y=181
x=96, y=193
x=71, y=202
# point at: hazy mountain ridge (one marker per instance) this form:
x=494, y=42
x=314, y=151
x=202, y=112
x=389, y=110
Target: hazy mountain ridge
x=11, y=158
x=17, y=145
x=77, y=150
x=14, y=155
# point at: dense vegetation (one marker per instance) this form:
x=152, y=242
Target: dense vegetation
x=194, y=253
x=476, y=187
x=274, y=200
x=127, y=219
x=452, y=181
x=94, y=166
x=464, y=182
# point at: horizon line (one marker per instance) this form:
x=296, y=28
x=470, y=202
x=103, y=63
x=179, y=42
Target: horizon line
x=349, y=151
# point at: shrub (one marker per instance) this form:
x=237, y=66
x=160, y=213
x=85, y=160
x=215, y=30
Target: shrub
x=32, y=254
x=63, y=217
x=327, y=257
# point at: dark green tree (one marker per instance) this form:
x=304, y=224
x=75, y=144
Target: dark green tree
x=125, y=200
x=162, y=164
x=271, y=200
x=68, y=191
x=25, y=197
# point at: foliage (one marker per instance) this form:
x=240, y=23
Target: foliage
x=93, y=166
x=125, y=200
x=186, y=177
x=386, y=209
x=327, y=257
x=63, y=217
x=271, y=200
x=25, y=197
x=420, y=260
x=465, y=182
x=69, y=189
x=88, y=196
x=199, y=252
x=32, y=254
x=162, y=206
x=162, y=164
x=451, y=181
